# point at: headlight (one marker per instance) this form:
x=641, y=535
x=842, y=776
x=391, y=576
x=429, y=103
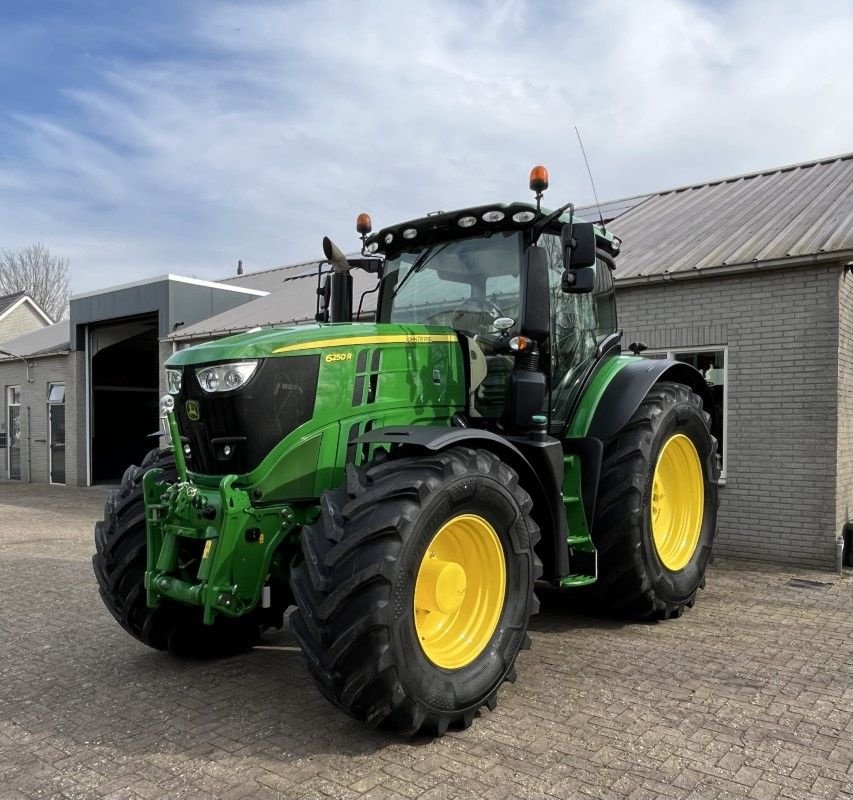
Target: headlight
x=225, y=377
x=208, y=379
x=173, y=381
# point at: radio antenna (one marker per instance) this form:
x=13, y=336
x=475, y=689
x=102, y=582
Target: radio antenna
x=592, y=182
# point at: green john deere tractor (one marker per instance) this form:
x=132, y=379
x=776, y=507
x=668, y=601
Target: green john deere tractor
x=405, y=483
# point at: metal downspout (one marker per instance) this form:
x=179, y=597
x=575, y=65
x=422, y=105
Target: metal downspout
x=29, y=447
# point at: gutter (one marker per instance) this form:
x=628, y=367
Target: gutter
x=735, y=269
x=5, y=355
x=177, y=337
x=10, y=354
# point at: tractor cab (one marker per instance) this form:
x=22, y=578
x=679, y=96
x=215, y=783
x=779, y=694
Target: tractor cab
x=528, y=291
x=500, y=283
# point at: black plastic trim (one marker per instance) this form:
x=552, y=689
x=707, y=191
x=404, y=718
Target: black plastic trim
x=608, y=343
x=591, y=453
x=631, y=384
x=253, y=418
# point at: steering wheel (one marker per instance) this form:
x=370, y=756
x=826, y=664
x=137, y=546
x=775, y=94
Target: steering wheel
x=475, y=315
x=479, y=305
x=482, y=305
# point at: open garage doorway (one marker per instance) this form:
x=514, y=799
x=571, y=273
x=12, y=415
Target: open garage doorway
x=124, y=395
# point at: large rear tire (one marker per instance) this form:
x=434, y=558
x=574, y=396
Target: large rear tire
x=119, y=563
x=417, y=585
x=656, y=514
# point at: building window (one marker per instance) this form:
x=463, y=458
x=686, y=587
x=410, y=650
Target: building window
x=13, y=419
x=712, y=362
x=56, y=393
x=56, y=430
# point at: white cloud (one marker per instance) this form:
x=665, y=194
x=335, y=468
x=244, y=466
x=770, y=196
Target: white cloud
x=275, y=124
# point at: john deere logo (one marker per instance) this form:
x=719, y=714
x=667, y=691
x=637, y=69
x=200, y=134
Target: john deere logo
x=193, y=410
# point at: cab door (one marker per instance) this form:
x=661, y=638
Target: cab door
x=579, y=323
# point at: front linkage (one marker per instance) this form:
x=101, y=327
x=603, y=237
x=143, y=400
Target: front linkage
x=211, y=547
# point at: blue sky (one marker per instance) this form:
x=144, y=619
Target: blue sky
x=138, y=139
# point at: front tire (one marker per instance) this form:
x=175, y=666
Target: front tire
x=656, y=514
x=416, y=589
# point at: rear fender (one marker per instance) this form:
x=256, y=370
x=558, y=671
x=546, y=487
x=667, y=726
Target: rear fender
x=539, y=466
x=629, y=386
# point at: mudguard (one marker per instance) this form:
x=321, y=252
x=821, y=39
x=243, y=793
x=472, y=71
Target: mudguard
x=630, y=385
x=539, y=465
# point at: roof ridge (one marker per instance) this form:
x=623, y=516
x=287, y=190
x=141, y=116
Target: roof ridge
x=716, y=181
x=247, y=274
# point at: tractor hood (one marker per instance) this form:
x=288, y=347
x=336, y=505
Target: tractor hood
x=312, y=389
x=305, y=339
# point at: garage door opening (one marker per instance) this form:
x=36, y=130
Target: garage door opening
x=124, y=380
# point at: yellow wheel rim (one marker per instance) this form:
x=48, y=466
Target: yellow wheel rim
x=678, y=502
x=459, y=591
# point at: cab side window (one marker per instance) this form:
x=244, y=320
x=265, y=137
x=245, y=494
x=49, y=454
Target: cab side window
x=579, y=322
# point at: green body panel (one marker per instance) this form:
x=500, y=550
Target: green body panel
x=421, y=382
x=245, y=520
x=579, y=425
x=580, y=538
x=314, y=338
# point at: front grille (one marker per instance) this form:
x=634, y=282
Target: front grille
x=248, y=421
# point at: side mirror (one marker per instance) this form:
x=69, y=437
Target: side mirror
x=578, y=245
x=579, y=255
x=578, y=281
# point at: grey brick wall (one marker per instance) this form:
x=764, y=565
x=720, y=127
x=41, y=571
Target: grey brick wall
x=34, y=416
x=781, y=328
x=844, y=497
x=20, y=321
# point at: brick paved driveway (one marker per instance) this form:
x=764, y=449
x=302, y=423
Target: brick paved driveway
x=748, y=695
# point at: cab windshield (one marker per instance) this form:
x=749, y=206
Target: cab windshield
x=464, y=284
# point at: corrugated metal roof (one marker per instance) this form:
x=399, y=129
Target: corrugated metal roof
x=54, y=338
x=292, y=298
x=273, y=279
x=789, y=213
x=611, y=209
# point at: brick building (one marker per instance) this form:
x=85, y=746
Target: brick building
x=748, y=278
x=80, y=396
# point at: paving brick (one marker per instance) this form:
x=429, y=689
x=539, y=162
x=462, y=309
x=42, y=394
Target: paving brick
x=747, y=695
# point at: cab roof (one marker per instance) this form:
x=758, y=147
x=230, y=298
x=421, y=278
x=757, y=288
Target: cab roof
x=444, y=225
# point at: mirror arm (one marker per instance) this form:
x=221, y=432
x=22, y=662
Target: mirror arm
x=538, y=227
